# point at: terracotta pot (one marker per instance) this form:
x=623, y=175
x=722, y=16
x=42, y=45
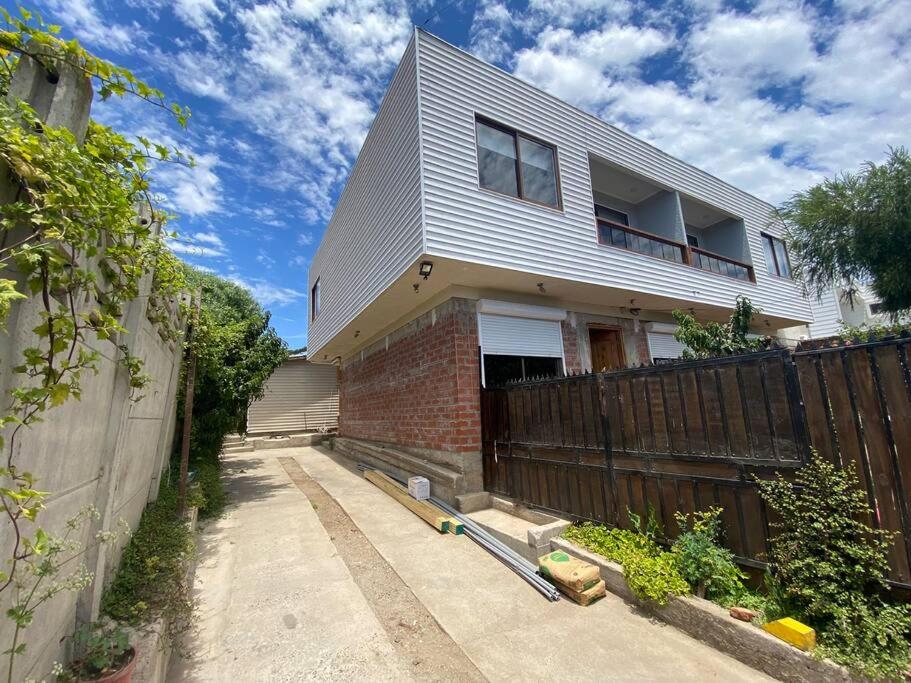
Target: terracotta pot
x=123, y=675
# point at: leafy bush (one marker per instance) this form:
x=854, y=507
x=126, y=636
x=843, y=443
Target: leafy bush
x=704, y=562
x=650, y=572
x=872, y=332
x=105, y=650
x=714, y=339
x=830, y=569
x=152, y=579
x=212, y=497
x=237, y=351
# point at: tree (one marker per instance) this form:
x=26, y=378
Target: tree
x=856, y=228
x=237, y=351
x=714, y=339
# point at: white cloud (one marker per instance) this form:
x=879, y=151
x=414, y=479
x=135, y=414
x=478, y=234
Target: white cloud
x=835, y=79
x=199, y=14
x=299, y=261
x=305, y=77
x=305, y=239
x=582, y=68
x=267, y=293
x=209, y=238
x=192, y=191
x=81, y=17
x=202, y=244
x=264, y=259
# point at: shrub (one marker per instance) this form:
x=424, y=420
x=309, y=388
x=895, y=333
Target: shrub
x=830, y=569
x=152, y=580
x=704, y=562
x=650, y=572
x=212, y=497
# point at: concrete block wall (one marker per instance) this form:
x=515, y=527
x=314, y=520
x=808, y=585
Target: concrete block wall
x=419, y=387
x=104, y=450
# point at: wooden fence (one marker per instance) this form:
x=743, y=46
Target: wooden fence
x=692, y=434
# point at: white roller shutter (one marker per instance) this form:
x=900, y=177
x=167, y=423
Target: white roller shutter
x=663, y=345
x=510, y=336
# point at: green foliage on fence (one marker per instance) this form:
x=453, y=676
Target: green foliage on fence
x=830, y=569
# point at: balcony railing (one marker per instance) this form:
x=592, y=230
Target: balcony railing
x=716, y=263
x=625, y=237
x=622, y=236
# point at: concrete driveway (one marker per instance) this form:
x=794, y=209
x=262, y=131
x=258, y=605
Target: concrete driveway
x=315, y=574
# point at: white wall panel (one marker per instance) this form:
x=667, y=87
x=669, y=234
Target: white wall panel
x=299, y=396
x=375, y=231
x=465, y=222
x=826, y=315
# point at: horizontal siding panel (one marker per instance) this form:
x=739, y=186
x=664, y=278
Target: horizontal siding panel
x=464, y=222
x=376, y=230
x=826, y=315
x=299, y=396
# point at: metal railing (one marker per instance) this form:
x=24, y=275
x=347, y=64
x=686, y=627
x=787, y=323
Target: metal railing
x=615, y=234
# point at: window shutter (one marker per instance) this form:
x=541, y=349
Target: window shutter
x=511, y=336
x=663, y=345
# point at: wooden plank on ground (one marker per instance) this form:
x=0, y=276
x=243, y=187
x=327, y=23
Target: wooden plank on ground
x=429, y=513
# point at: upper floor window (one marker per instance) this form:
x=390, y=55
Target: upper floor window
x=517, y=165
x=608, y=214
x=314, y=300
x=776, y=256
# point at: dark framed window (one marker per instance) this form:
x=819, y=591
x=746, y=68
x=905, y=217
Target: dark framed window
x=517, y=165
x=776, y=256
x=876, y=308
x=499, y=370
x=692, y=240
x=608, y=214
x=314, y=300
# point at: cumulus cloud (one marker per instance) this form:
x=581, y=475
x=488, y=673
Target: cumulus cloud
x=268, y=293
x=771, y=99
x=305, y=77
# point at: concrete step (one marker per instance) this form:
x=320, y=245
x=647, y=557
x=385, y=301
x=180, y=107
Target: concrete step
x=231, y=439
x=444, y=482
x=238, y=448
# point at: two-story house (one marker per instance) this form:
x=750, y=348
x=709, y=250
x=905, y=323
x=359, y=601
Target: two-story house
x=490, y=231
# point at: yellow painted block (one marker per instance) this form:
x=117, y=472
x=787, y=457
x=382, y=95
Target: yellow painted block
x=792, y=631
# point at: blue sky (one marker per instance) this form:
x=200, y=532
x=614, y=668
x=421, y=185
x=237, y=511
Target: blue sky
x=770, y=96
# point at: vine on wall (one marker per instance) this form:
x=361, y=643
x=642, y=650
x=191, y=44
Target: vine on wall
x=80, y=232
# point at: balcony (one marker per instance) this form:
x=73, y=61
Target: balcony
x=635, y=214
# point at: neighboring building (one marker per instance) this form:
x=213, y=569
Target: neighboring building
x=834, y=308
x=489, y=231
x=300, y=396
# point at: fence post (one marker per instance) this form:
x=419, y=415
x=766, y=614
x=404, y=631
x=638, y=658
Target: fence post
x=608, y=448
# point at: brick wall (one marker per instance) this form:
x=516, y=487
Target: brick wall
x=419, y=386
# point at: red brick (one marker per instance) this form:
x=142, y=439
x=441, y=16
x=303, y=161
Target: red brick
x=423, y=391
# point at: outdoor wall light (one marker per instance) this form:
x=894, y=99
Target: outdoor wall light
x=426, y=269
x=541, y=288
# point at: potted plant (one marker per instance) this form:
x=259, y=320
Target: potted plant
x=106, y=655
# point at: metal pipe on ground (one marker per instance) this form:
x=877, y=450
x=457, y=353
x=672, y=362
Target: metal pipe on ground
x=491, y=544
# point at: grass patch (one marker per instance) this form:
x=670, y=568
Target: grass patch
x=151, y=582
x=212, y=497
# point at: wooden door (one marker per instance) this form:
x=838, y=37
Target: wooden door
x=607, y=349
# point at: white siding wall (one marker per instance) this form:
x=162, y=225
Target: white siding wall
x=826, y=315
x=464, y=222
x=299, y=396
x=375, y=232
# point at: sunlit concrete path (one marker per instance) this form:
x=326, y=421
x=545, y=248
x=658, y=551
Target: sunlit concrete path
x=382, y=597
